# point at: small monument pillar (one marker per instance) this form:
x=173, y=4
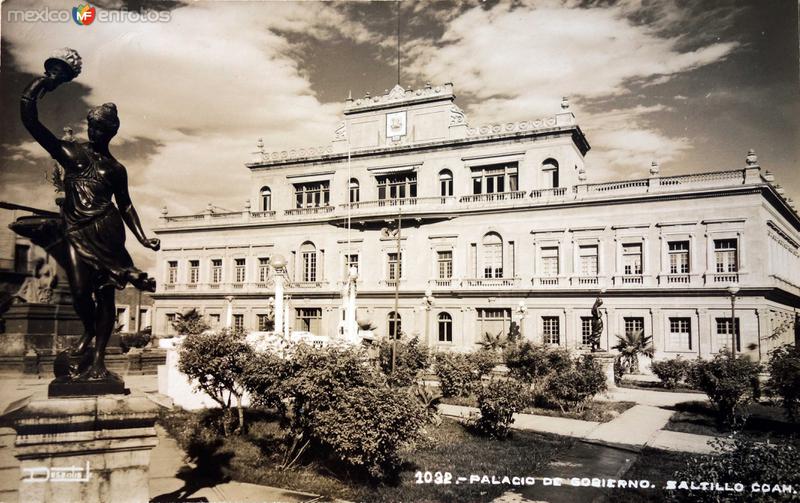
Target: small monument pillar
x=351, y=326
x=278, y=263
x=229, y=312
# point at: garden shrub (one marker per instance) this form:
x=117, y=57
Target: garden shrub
x=743, y=461
x=336, y=400
x=411, y=359
x=498, y=401
x=573, y=388
x=217, y=361
x=263, y=379
x=784, y=380
x=729, y=383
x=531, y=363
x=367, y=428
x=134, y=340
x=671, y=372
x=460, y=373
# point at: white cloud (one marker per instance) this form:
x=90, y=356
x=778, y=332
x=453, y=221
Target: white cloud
x=517, y=63
x=205, y=85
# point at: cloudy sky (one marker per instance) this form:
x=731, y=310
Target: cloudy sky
x=690, y=83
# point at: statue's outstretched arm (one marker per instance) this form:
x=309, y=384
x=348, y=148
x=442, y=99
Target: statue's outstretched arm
x=129, y=215
x=30, y=117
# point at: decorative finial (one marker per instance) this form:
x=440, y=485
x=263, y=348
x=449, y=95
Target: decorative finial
x=247, y=204
x=164, y=211
x=654, y=168
x=428, y=85
x=210, y=208
x=349, y=95
x=582, y=175
x=751, y=159
x=564, y=103
x=769, y=176
x=260, y=145
x=367, y=95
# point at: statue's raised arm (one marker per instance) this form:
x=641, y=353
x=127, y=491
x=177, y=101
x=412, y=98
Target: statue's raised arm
x=62, y=67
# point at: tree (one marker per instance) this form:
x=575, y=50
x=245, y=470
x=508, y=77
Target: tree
x=218, y=361
x=631, y=345
x=189, y=323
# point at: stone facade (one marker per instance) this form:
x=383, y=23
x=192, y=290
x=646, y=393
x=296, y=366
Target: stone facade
x=498, y=225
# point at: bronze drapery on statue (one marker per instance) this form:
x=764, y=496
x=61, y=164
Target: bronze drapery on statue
x=87, y=237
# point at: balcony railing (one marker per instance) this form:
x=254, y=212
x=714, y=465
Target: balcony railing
x=313, y=210
x=675, y=279
x=443, y=282
x=630, y=279
x=493, y=197
x=546, y=281
x=606, y=190
x=489, y=282
x=585, y=280
x=390, y=282
x=722, y=278
x=554, y=193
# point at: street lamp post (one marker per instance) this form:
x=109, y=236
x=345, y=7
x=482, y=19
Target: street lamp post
x=732, y=291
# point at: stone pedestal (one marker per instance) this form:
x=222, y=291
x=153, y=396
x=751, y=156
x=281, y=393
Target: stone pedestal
x=606, y=359
x=91, y=449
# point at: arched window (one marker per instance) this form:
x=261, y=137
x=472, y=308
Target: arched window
x=354, y=194
x=445, y=327
x=445, y=183
x=308, y=254
x=394, y=321
x=266, y=199
x=550, y=172
x=492, y=253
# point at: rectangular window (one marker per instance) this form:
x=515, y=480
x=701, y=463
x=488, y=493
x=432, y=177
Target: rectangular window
x=144, y=318
x=172, y=272
x=194, y=271
x=263, y=269
x=216, y=270
x=493, y=321
x=240, y=269
x=265, y=322
x=309, y=319
x=122, y=319
x=587, y=259
x=632, y=258
x=312, y=194
x=633, y=325
x=397, y=186
x=725, y=255
x=550, y=261
x=394, y=265
x=725, y=333
x=680, y=333
x=586, y=330
x=171, y=318
x=310, y=265
x=350, y=260
x=550, y=330
x=678, y=257
x=444, y=261
x=238, y=322
x=494, y=178
x=21, y=253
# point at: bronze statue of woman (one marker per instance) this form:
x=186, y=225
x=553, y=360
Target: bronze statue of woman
x=96, y=260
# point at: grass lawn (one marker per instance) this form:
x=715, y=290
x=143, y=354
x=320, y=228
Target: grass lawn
x=654, y=465
x=765, y=421
x=450, y=448
x=601, y=412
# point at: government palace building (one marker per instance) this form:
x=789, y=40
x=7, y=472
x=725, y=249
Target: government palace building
x=497, y=225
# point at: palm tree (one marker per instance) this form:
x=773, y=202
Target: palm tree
x=631, y=346
x=190, y=323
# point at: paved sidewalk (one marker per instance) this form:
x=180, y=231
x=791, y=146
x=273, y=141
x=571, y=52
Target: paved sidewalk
x=638, y=427
x=650, y=397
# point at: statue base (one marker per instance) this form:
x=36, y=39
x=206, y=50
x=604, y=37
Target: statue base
x=96, y=387
x=91, y=449
x=606, y=359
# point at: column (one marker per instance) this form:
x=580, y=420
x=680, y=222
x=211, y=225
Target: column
x=229, y=312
